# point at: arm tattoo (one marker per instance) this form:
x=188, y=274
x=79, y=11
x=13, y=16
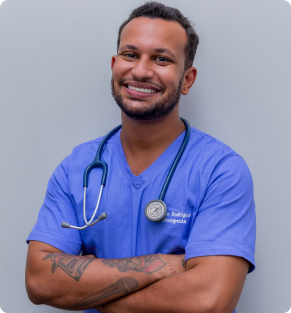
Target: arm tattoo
x=122, y=287
x=184, y=263
x=145, y=264
x=73, y=265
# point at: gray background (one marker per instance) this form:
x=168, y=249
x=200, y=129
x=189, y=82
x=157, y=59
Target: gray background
x=55, y=94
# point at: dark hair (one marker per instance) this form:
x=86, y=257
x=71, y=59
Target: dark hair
x=153, y=9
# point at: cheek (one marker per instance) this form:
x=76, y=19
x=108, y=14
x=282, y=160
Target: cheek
x=170, y=77
x=120, y=68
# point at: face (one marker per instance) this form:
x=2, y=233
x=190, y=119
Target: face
x=148, y=73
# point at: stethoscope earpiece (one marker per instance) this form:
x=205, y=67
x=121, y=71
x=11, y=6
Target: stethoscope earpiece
x=103, y=216
x=65, y=225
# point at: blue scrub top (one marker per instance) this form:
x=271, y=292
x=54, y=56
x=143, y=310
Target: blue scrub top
x=210, y=203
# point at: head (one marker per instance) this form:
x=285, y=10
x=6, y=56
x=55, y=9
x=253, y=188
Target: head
x=156, y=10
x=156, y=48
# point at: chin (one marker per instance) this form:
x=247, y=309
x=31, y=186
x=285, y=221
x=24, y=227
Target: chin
x=146, y=112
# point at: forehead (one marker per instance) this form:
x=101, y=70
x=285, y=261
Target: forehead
x=151, y=33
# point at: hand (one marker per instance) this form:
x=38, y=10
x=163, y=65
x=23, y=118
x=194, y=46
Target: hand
x=89, y=256
x=175, y=264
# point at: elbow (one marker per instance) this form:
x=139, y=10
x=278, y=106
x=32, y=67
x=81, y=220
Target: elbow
x=205, y=302
x=214, y=304
x=34, y=291
x=211, y=307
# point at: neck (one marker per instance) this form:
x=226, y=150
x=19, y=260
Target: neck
x=144, y=141
x=150, y=135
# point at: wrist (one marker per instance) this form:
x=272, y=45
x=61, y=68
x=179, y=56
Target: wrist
x=154, y=266
x=163, y=272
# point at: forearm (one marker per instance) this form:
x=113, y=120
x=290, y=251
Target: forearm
x=171, y=294
x=76, y=283
x=206, y=287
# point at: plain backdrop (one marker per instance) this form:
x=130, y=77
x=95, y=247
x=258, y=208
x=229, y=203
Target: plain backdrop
x=55, y=94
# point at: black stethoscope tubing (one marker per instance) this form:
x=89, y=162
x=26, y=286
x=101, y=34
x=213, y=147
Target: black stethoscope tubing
x=98, y=163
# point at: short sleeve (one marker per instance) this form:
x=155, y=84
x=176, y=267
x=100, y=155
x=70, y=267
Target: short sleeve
x=226, y=220
x=57, y=208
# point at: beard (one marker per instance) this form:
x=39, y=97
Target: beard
x=151, y=111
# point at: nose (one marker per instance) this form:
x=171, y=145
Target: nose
x=142, y=69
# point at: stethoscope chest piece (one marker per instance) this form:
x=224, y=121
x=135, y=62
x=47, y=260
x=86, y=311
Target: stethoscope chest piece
x=156, y=210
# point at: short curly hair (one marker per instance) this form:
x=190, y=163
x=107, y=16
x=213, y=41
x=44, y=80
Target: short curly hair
x=154, y=9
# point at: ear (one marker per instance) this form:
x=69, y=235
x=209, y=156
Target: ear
x=113, y=59
x=189, y=79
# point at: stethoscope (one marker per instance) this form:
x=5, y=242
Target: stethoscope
x=155, y=210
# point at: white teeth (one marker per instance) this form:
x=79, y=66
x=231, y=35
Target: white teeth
x=142, y=89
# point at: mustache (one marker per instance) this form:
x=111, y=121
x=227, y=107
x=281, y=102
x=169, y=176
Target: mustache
x=141, y=81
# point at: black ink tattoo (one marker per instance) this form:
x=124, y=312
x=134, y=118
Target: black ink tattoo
x=184, y=263
x=73, y=265
x=145, y=264
x=122, y=287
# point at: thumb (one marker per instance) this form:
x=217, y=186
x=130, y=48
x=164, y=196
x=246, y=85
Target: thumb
x=90, y=256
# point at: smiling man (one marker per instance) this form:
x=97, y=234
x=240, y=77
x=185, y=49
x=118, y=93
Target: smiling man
x=148, y=76
x=196, y=258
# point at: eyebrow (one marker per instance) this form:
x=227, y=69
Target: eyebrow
x=130, y=47
x=165, y=50
x=159, y=50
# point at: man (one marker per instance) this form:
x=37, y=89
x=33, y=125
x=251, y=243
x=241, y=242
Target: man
x=210, y=221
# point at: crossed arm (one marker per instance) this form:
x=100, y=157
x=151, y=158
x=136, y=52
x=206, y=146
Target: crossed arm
x=81, y=282
x=209, y=284
x=155, y=283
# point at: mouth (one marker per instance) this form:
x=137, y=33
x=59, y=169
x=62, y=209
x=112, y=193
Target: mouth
x=143, y=90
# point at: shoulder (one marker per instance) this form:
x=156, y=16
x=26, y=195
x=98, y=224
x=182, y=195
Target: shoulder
x=209, y=143
x=205, y=148
x=87, y=146
x=81, y=154
x=209, y=156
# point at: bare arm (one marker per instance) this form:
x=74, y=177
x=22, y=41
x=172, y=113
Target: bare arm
x=81, y=282
x=210, y=284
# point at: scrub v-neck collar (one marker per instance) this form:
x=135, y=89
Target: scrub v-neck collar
x=154, y=168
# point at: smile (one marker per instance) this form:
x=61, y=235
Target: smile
x=141, y=89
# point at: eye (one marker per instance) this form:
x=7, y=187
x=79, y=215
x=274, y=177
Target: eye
x=129, y=55
x=162, y=59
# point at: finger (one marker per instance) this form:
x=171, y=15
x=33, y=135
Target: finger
x=90, y=256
